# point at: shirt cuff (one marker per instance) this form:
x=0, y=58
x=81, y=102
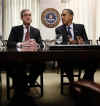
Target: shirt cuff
x=18, y=49
x=19, y=45
x=44, y=45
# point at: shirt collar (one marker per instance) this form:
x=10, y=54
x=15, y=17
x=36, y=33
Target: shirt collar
x=25, y=27
x=71, y=26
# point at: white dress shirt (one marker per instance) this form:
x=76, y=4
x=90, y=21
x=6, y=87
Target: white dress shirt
x=71, y=30
x=24, y=34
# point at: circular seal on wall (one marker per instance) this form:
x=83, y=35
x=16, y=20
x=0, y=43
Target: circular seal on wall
x=50, y=17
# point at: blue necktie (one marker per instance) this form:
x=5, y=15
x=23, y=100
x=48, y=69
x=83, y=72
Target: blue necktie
x=69, y=32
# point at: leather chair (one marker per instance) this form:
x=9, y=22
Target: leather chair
x=86, y=93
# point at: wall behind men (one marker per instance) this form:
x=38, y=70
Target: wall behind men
x=86, y=12
x=48, y=33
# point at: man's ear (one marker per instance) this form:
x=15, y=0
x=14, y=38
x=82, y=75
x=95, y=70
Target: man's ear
x=21, y=18
x=71, y=17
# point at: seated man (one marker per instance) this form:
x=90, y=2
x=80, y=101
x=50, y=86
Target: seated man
x=71, y=33
x=26, y=38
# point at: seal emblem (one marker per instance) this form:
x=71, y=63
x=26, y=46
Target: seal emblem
x=50, y=17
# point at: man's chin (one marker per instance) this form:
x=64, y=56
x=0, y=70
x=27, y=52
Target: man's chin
x=64, y=23
x=27, y=23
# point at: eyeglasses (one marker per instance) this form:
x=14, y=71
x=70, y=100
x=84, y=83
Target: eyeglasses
x=27, y=15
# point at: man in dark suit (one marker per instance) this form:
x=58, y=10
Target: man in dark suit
x=18, y=33
x=70, y=33
x=26, y=38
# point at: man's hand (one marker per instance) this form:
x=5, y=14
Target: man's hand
x=72, y=41
x=30, y=43
x=80, y=40
x=28, y=49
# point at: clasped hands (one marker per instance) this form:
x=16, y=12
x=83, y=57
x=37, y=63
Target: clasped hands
x=79, y=40
x=29, y=45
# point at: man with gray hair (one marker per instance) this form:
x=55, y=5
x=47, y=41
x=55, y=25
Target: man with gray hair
x=26, y=38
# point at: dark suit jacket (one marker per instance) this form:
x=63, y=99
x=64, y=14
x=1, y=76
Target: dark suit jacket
x=79, y=30
x=16, y=35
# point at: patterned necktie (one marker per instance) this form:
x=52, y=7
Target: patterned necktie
x=69, y=32
x=27, y=36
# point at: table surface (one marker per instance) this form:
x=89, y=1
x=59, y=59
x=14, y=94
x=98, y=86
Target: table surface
x=74, y=53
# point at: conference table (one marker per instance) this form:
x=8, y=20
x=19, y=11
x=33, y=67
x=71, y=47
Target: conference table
x=74, y=53
x=79, y=54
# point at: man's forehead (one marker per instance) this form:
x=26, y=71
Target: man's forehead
x=28, y=11
x=64, y=12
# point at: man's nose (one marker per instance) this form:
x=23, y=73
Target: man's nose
x=62, y=18
x=28, y=18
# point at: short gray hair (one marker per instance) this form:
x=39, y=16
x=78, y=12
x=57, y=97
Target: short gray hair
x=22, y=12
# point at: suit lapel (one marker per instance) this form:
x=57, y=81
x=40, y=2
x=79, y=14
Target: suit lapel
x=31, y=32
x=21, y=33
x=64, y=33
x=75, y=31
x=64, y=30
